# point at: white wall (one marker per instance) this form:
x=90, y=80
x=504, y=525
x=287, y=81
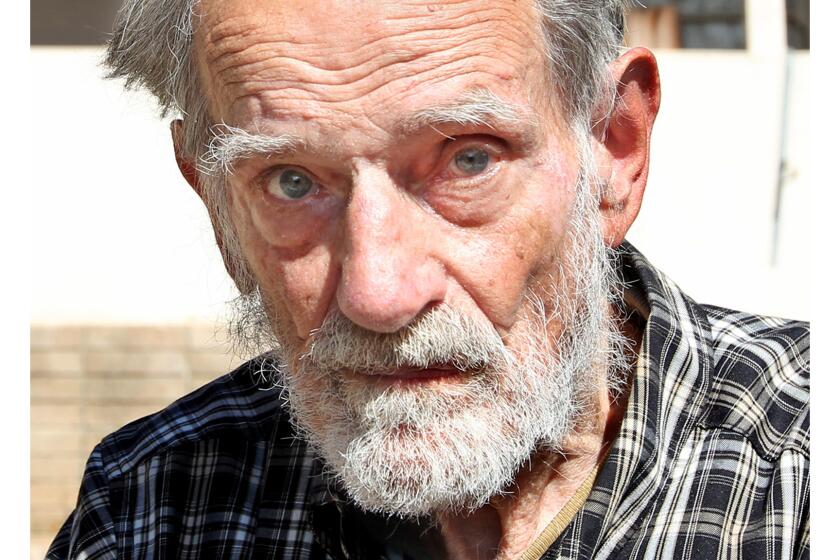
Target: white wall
x=708, y=215
x=119, y=237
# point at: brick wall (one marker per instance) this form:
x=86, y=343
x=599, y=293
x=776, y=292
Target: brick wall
x=87, y=381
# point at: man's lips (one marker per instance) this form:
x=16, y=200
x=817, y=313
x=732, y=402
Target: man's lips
x=423, y=374
x=413, y=375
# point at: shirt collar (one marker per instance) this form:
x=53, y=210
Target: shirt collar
x=666, y=398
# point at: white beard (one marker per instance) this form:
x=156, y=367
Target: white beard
x=414, y=450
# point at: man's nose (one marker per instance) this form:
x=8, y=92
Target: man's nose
x=388, y=275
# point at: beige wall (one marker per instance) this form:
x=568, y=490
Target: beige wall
x=87, y=381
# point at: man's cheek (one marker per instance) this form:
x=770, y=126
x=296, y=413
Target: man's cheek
x=303, y=284
x=495, y=266
x=291, y=227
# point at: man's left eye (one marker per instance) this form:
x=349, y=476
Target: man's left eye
x=470, y=161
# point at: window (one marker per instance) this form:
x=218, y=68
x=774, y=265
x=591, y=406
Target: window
x=709, y=24
x=799, y=24
x=690, y=24
x=59, y=22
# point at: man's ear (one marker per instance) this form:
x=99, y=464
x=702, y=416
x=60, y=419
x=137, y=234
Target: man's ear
x=243, y=281
x=185, y=164
x=622, y=143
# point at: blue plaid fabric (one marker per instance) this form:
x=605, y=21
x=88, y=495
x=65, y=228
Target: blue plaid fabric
x=711, y=462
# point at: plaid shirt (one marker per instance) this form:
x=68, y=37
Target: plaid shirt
x=711, y=461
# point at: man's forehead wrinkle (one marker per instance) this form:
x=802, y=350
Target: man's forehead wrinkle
x=313, y=97
x=263, y=63
x=255, y=53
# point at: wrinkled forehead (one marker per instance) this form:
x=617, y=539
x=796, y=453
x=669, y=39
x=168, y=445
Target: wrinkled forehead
x=311, y=59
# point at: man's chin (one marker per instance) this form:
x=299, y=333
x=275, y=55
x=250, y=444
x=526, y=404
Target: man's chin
x=449, y=464
x=407, y=476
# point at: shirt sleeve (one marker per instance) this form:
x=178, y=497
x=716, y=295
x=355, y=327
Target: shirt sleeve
x=88, y=532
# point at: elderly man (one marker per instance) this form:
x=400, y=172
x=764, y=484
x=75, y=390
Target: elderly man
x=424, y=205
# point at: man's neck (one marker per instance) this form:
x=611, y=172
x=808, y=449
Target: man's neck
x=507, y=526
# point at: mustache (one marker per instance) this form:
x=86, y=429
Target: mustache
x=440, y=336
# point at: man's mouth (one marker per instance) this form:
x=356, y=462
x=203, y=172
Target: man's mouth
x=409, y=375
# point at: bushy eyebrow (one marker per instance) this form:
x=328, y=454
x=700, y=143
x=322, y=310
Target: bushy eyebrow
x=229, y=145
x=478, y=107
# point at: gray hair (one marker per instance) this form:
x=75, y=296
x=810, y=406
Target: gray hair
x=151, y=48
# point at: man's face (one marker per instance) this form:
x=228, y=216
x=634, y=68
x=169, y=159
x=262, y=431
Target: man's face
x=392, y=224
x=425, y=177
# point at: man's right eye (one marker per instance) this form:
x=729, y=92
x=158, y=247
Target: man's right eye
x=471, y=161
x=290, y=184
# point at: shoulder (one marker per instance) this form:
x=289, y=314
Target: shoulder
x=760, y=384
x=210, y=451
x=242, y=405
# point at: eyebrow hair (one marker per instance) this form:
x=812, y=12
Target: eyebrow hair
x=229, y=144
x=478, y=107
